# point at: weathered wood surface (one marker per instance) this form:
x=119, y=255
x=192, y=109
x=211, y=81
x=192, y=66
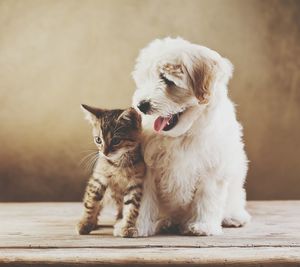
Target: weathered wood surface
x=44, y=233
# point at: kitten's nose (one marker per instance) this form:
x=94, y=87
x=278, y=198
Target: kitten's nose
x=144, y=106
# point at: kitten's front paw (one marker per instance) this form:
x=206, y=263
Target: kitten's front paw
x=129, y=232
x=125, y=231
x=85, y=227
x=202, y=229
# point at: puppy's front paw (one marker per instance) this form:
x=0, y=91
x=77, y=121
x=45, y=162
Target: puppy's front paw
x=84, y=227
x=125, y=231
x=236, y=220
x=146, y=229
x=202, y=229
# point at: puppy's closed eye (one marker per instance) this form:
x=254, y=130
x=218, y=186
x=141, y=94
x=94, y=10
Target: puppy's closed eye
x=166, y=80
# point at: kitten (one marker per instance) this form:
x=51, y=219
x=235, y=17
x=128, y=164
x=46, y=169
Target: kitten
x=120, y=168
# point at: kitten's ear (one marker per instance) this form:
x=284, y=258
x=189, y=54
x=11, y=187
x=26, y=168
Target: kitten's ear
x=91, y=113
x=132, y=115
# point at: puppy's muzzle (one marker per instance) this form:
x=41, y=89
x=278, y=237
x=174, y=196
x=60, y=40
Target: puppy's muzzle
x=144, y=106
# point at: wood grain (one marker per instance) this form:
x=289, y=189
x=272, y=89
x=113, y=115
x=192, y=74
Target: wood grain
x=153, y=256
x=44, y=233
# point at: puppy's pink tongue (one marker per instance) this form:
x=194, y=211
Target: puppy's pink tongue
x=160, y=123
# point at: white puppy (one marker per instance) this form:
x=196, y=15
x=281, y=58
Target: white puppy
x=193, y=143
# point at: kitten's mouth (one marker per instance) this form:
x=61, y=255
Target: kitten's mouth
x=166, y=123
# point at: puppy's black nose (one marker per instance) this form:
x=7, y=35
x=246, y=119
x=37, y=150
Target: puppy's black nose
x=144, y=106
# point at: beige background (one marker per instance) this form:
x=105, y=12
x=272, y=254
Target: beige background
x=55, y=55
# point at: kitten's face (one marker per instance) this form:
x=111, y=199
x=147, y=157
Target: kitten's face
x=115, y=132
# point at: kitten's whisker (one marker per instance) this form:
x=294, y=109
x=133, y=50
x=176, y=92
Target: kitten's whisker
x=87, y=167
x=92, y=151
x=92, y=166
x=94, y=163
x=90, y=163
x=89, y=149
x=89, y=155
x=87, y=152
x=86, y=158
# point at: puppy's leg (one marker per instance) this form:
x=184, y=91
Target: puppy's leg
x=147, y=221
x=235, y=213
x=208, y=207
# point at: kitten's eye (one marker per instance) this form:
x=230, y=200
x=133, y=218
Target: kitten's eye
x=98, y=140
x=115, y=141
x=166, y=80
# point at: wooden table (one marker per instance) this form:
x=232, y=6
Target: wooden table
x=39, y=234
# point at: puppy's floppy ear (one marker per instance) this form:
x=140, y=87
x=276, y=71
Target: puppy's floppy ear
x=201, y=75
x=131, y=115
x=204, y=71
x=91, y=113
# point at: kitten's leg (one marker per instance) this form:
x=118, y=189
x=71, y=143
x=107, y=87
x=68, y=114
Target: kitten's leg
x=92, y=205
x=126, y=227
x=119, y=203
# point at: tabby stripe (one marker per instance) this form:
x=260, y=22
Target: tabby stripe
x=86, y=205
x=95, y=188
x=136, y=186
x=135, y=198
x=95, y=182
x=138, y=199
x=134, y=213
x=138, y=196
x=133, y=216
x=98, y=196
x=92, y=188
x=130, y=224
x=132, y=201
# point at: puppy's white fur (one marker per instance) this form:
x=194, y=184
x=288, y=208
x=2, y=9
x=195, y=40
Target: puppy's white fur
x=196, y=171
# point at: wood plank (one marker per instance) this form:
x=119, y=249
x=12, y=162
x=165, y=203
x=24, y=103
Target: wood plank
x=152, y=257
x=52, y=225
x=39, y=234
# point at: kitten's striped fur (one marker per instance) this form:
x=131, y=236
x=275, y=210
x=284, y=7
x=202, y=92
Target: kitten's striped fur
x=119, y=169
